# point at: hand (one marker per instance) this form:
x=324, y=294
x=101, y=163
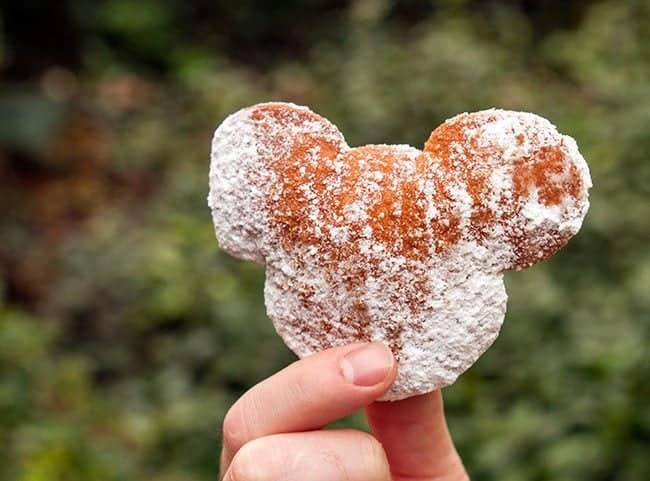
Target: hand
x=274, y=431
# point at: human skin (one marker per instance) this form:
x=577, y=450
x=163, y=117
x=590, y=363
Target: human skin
x=274, y=432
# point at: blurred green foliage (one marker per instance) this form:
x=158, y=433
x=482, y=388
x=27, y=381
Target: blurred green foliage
x=125, y=334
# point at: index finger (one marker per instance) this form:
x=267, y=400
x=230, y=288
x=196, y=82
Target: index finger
x=415, y=437
x=309, y=393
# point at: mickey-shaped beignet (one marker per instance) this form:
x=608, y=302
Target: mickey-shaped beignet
x=389, y=243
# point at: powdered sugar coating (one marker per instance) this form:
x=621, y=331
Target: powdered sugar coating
x=390, y=243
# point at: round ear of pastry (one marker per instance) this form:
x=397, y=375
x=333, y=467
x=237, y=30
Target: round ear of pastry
x=390, y=243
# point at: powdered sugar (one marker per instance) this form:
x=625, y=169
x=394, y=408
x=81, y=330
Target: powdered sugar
x=391, y=243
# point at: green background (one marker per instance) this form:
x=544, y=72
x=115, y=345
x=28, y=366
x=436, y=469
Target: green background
x=125, y=334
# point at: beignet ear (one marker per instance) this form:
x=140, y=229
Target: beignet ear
x=529, y=184
x=246, y=150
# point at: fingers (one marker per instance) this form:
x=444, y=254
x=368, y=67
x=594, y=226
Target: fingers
x=309, y=394
x=344, y=455
x=415, y=437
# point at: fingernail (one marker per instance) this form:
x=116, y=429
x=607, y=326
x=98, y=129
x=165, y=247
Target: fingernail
x=368, y=365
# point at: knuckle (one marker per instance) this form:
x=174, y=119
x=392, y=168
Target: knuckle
x=374, y=456
x=253, y=462
x=370, y=444
x=235, y=430
x=244, y=463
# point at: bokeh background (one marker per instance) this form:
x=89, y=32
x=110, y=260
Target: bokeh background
x=125, y=334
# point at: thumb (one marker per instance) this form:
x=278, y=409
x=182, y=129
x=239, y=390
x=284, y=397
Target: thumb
x=416, y=439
